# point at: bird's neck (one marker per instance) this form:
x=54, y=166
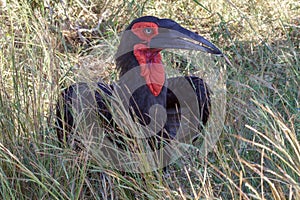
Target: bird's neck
x=132, y=74
x=151, y=66
x=147, y=64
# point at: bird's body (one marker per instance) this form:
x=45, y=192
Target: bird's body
x=142, y=76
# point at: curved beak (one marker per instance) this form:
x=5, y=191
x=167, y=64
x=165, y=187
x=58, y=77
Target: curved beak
x=173, y=36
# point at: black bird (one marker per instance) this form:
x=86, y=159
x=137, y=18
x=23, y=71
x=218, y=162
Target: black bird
x=143, y=83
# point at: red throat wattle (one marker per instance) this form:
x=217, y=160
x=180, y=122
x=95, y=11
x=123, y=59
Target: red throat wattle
x=152, y=68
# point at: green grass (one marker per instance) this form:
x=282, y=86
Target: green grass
x=258, y=153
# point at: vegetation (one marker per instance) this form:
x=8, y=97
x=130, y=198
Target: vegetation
x=48, y=45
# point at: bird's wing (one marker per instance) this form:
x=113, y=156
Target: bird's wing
x=188, y=107
x=78, y=103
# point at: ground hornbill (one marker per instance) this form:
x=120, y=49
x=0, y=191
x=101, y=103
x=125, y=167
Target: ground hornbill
x=152, y=98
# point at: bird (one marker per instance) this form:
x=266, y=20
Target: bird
x=150, y=98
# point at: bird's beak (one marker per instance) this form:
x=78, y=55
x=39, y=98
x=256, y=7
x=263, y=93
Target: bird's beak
x=177, y=37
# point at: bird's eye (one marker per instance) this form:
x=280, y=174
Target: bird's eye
x=148, y=31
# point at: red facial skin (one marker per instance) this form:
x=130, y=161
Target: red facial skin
x=149, y=60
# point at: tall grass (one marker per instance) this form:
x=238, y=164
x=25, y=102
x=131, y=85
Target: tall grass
x=46, y=46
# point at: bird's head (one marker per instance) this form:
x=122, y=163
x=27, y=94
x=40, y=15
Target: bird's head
x=146, y=36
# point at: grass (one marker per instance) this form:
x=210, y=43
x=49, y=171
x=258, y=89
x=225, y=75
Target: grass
x=258, y=153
